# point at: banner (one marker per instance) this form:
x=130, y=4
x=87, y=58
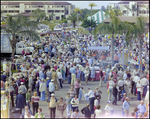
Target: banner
x=98, y=48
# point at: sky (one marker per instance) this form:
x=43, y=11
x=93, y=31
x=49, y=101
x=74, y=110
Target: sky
x=84, y=4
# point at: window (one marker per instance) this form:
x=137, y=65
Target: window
x=10, y=11
x=140, y=12
x=57, y=18
x=57, y=11
x=5, y=11
x=28, y=11
x=62, y=6
x=16, y=11
x=124, y=11
x=50, y=11
x=144, y=12
x=17, y=6
x=62, y=10
x=10, y=6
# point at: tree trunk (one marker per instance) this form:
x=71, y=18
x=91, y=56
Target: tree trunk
x=74, y=24
x=140, y=55
x=91, y=13
x=77, y=20
x=112, y=50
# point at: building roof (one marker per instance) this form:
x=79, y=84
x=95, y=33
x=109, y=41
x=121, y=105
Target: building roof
x=36, y=3
x=138, y=2
x=130, y=19
x=23, y=13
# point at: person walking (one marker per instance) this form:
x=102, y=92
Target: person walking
x=107, y=73
x=98, y=112
x=92, y=72
x=68, y=102
x=77, y=87
x=10, y=89
x=101, y=77
x=61, y=106
x=86, y=72
x=42, y=90
x=91, y=100
x=20, y=101
x=54, y=77
x=52, y=105
x=126, y=105
x=75, y=103
x=128, y=87
x=139, y=90
x=110, y=88
x=115, y=91
x=51, y=87
x=86, y=111
x=60, y=78
x=23, y=90
x=28, y=98
x=73, y=74
x=35, y=102
x=141, y=107
x=144, y=82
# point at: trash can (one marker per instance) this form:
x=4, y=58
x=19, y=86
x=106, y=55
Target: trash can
x=15, y=113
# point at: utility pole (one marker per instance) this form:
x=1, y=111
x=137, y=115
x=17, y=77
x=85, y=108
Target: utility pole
x=9, y=91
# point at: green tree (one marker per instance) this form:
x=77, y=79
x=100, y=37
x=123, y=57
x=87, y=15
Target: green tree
x=92, y=5
x=88, y=23
x=73, y=18
x=38, y=14
x=20, y=25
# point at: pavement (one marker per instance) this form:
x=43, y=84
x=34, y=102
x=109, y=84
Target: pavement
x=104, y=98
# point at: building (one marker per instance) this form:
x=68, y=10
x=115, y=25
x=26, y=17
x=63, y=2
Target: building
x=60, y=9
x=143, y=7
x=98, y=17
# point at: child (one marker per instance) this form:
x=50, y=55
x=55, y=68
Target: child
x=109, y=110
x=96, y=102
x=122, y=92
x=68, y=100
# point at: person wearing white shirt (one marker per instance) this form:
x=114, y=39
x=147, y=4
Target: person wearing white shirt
x=110, y=88
x=139, y=90
x=91, y=100
x=128, y=87
x=96, y=102
x=135, y=79
x=125, y=75
x=108, y=108
x=42, y=89
x=120, y=73
x=51, y=87
x=59, y=75
x=144, y=82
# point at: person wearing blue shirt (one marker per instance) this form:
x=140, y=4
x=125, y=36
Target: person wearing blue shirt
x=3, y=77
x=40, y=51
x=41, y=74
x=142, y=108
x=46, y=49
x=75, y=114
x=126, y=105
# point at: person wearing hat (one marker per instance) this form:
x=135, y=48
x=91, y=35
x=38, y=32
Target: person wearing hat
x=42, y=89
x=10, y=89
x=52, y=103
x=54, y=77
x=20, y=101
x=126, y=106
x=109, y=110
x=51, y=87
x=23, y=90
x=47, y=85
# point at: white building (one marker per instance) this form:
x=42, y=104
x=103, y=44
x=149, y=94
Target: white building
x=143, y=7
x=98, y=17
x=60, y=9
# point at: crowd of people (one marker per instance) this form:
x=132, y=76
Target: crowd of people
x=57, y=59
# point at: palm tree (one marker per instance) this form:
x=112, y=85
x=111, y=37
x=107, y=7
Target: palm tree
x=139, y=32
x=20, y=25
x=77, y=10
x=133, y=9
x=38, y=14
x=92, y=5
x=73, y=18
x=113, y=27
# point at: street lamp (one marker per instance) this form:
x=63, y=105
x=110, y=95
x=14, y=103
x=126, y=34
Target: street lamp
x=123, y=48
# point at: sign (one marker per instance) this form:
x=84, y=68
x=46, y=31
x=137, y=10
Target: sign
x=98, y=48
